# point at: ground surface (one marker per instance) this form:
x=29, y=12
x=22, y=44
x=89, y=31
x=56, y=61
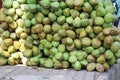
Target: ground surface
x=20, y=72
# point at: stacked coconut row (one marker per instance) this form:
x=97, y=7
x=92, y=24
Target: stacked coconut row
x=59, y=34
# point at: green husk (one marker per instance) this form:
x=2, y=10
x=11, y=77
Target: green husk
x=96, y=53
x=66, y=56
x=99, y=67
x=48, y=63
x=85, y=41
x=91, y=58
x=65, y=64
x=77, y=65
x=3, y=61
x=72, y=59
x=91, y=66
x=109, y=54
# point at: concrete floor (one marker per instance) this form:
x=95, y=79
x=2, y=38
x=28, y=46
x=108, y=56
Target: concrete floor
x=20, y=72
